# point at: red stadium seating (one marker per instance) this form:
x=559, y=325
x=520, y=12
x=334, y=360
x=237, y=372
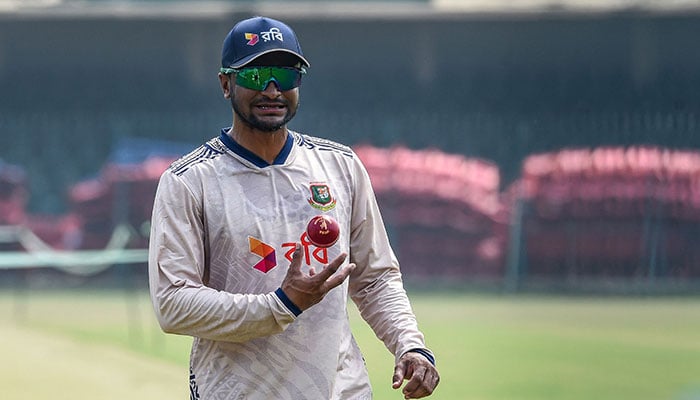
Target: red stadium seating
x=610, y=211
x=13, y=194
x=121, y=195
x=443, y=211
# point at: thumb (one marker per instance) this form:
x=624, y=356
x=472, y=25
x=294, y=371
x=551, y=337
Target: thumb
x=399, y=373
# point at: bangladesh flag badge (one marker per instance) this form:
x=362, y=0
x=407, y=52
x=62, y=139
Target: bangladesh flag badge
x=321, y=197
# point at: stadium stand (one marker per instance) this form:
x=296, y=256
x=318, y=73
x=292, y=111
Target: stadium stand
x=443, y=211
x=121, y=195
x=13, y=193
x=13, y=200
x=613, y=212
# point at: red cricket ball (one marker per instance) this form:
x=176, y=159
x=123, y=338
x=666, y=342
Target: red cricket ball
x=323, y=231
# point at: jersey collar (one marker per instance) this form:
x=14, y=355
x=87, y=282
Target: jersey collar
x=250, y=156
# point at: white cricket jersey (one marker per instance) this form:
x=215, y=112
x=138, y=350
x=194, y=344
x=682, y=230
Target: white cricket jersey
x=223, y=231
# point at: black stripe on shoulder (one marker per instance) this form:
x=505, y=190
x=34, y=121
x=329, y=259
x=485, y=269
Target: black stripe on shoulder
x=316, y=143
x=210, y=150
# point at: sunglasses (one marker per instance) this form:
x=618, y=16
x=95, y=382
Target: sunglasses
x=257, y=78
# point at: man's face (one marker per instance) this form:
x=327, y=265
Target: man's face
x=267, y=110
x=270, y=109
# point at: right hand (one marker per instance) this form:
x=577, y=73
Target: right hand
x=305, y=290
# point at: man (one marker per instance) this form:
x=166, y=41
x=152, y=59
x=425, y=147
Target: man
x=230, y=261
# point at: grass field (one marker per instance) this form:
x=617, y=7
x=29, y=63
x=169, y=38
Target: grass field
x=90, y=345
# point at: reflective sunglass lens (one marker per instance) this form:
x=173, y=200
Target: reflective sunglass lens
x=257, y=78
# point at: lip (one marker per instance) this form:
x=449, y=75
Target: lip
x=271, y=107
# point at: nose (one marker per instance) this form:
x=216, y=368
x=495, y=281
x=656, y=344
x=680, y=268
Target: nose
x=272, y=90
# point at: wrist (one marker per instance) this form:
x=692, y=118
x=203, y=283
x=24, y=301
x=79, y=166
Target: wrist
x=293, y=308
x=425, y=353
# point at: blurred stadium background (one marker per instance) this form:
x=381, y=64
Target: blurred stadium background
x=510, y=142
x=517, y=146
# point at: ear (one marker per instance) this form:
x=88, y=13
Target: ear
x=226, y=86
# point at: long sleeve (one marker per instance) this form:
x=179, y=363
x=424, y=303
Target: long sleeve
x=183, y=303
x=376, y=286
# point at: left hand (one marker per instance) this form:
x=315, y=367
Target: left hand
x=422, y=376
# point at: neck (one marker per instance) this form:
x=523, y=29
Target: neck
x=266, y=145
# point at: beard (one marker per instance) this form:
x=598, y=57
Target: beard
x=254, y=122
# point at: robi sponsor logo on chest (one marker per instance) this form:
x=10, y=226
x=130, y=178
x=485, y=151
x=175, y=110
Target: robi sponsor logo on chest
x=266, y=254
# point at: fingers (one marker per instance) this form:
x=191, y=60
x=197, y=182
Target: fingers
x=423, y=386
x=331, y=268
x=416, y=386
x=421, y=375
x=339, y=278
x=399, y=373
x=295, y=265
x=305, y=290
x=328, y=278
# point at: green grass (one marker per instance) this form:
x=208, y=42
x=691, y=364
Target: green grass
x=488, y=347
